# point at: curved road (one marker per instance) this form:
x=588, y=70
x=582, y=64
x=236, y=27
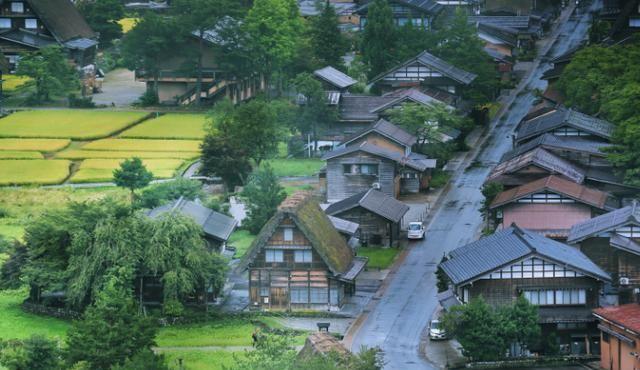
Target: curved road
x=397, y=321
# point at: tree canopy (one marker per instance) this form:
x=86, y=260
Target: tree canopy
x=132, y=175
x=263, y=193
x=379, y=40
x=50, y=71
x=103, y=17
x=327, y=42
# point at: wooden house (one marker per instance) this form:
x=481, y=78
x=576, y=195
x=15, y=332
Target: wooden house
x=507, y=34
x=216, y=227
x=565, y=123
x=30, y=25
x=581, y=151
x=428, y=72
x=562, y=281
x=421, y=13
x=348, y=18
x=299, y=261
x=378, y=157
x=177, y=84
x=612, y=241
x=552, y=75
x=379, y=216
x=620, y=336
x=549, y=206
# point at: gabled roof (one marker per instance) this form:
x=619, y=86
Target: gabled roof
x=388, y=130
x=374, y=201
x=335, y=77
x=431, y=61
x=554, y=184
x=606, y=222
x=361, y=107
x=415, y=161
x=565, y=117
x=626, y=316
x=27, y=38
x=62, y=19
x=625, y=244
x=427, y=6
x=317, y=228
x=213, y=223
x=564, y=143
x=508, y=246
x=344, y=226
x=410, y=95
x=540, y=158
x=520, y=22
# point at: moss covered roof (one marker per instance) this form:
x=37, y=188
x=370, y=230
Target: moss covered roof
x=314, y=224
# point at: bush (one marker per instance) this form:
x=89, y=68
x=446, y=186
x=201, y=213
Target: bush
x=158, y=194
x=76, y=102
x=439, y=179
x=147, y=99
x=4, y=213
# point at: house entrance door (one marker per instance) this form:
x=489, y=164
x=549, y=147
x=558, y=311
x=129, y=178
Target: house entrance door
x=279, y=297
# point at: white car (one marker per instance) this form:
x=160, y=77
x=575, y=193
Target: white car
x=436, y=331
x=415, y=230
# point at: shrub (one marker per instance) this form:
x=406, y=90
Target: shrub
x=157, y=194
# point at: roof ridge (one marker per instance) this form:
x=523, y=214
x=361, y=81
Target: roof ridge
x=179, y=202
x=520, y=234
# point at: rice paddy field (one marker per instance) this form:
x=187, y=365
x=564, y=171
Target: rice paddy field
x=78, y=146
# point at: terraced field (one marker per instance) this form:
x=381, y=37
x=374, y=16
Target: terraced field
x=101, y=170
x=33, y=171
x=169, y=126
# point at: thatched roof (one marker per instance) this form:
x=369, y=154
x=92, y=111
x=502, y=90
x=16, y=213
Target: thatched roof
x=321, y=343
x=315, y=225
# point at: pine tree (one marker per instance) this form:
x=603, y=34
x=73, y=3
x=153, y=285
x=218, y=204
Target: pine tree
x=379, y=41
x=327, y=42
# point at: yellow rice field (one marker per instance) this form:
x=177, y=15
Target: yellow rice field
x=169, y=126
x=33, y=171
x=144, y=145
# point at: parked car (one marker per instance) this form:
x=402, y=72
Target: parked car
x=415, y=230
x=436, y=331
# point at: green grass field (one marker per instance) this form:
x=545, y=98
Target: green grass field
x=380, y=258
x=144, y=145
x=16, y=154
x=100, y=170
x=201, y=360
x=241, y=239
x=17, y=324
x=228, y=332
x=66, y=123
x=295, y=167
x=40, y=145
x=33, y=171
x=105, y=154
x=169, y=126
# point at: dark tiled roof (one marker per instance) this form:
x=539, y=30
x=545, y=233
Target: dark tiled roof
x=428, y=6
x=540, y=158
x=416, y=161
x=627, y=316
x=62, y=19
x=510, y=245
x=361, y=107
x=26, y=37
x=344, y=226
x=409, y=95
x=565, y=117
x=309, y=8
x=213, y=223
x=448, y=299
x=374, y=201
x=386, y=129
x=81, y=44
x=553, y=184
x=498, y=34
x=335, y=77
x=565, y=143
x=357, y=265
x=605, y=222
x=625, y=244
x=316, y=227
x=521, y=22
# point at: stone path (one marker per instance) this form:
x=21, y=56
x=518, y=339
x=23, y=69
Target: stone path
x=119, y=89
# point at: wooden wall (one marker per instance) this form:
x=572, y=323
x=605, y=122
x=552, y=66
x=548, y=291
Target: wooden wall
x=341, y=186
x=372, y=226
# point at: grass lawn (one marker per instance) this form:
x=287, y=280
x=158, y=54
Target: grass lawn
x=12, y=82
x=105, y=154
x=241, y=239
x=295, y=167
x=201, y=360
x=169, y=126
x=17, y=154
x=66, y=123
x=380, y=258
x=17, y=324
x=40, y=145
x=127, y=24
x=290, y=189
x=33, y=171
x=100, y=170
x=144, y=145
x=11, y=229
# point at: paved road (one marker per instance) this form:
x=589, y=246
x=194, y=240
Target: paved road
x=397, y=322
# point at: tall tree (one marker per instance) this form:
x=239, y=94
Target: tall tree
x=197, y=17
x=220, y=157
x=316, y=113
x=50, y=70
x=327, y=42
x=103, y=17
x=132, y=175
x=152, y=40
x=254, y=127
x=263, y=193
x=520, y=323
x=379, y=41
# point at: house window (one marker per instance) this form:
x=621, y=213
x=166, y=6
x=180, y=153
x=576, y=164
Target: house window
x=629, y=231
x=273, y=255
x=30, y=23
x=5, y=22
x=556, y=297
x=304, y=256
x=319, y=295
x=264, y=291
x=299, y=295
x=288, y=234
x=355, y=169
x=17, y=7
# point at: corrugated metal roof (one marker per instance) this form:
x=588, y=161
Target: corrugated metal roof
x=565, y=117
x=510, y=245
x=361, y=107
x=550, y=141
x=357, y=265
x=609, y=221
x=213, y=223
x=540, y=158
x=335, y=77
x=374, y=201
x=343, y=226
x=521, y=22
x=556, y=185
x=387, y=129
x=415, y=161
x=410, y=95
x=625, y=244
